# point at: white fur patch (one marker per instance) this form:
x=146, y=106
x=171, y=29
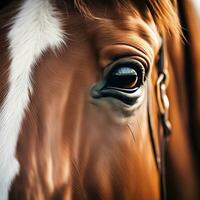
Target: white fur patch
x=196, y=4
x=35, y=28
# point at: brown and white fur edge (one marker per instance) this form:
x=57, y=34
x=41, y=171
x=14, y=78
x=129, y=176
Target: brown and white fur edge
x=34, y=29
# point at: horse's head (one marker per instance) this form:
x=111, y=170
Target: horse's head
x=91, y=130
x=90, y=103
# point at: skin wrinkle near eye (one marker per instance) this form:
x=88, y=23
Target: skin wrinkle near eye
x=119, y=51
x=137, y=48
x=131, y=131
x=144, y=52
x=140, y=54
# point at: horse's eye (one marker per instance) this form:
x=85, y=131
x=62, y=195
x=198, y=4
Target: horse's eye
x=124, y=77
x=122, y=80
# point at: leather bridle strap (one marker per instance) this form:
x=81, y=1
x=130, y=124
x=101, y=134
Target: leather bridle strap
x=163, y=105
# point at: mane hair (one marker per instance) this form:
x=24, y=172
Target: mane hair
x=165, y=15
x=164, y=12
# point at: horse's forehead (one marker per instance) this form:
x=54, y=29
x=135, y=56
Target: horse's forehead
x=107, y=29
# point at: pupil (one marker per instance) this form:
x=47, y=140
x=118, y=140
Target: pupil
x=124, y=77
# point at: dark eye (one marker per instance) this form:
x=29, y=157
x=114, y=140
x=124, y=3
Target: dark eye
x=125, y=76
x=122, y=80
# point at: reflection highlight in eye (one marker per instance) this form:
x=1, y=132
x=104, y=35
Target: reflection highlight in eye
x=125, y=71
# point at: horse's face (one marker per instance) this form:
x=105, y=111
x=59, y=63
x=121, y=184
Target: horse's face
x=91, y=102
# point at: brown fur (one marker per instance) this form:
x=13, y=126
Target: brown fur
x=70, y=149
x=163, y=11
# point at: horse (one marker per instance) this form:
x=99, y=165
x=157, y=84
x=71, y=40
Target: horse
x=88, y=90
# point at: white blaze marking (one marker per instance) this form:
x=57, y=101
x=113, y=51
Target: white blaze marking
x=34, y=29
x=196, y=4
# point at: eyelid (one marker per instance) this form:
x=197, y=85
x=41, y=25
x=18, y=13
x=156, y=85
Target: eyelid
x=114, y=52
